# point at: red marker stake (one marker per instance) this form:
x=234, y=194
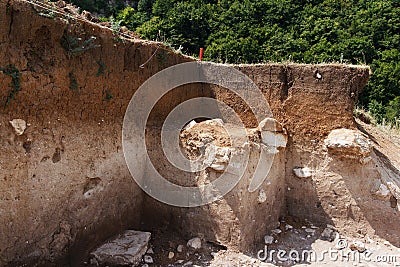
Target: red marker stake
x=201, y=54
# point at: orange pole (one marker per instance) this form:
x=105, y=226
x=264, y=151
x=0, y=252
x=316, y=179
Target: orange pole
x=201, y=53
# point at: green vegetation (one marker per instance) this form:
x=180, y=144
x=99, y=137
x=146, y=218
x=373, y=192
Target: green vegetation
x=107, y=95
x=162, y=58
x=308, y=31
x=75, y=45
x=15, y=75
x=45, y=13
x=115, y=25
x=108, y=8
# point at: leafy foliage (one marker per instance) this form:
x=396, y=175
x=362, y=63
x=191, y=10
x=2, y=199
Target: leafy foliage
x=307, y=31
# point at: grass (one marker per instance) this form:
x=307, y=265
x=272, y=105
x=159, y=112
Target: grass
x=76, y=45
x=162, y=58
x=47, y=13
x=366, y=117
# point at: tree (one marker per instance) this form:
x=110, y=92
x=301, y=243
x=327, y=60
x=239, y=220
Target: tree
x=306, y=31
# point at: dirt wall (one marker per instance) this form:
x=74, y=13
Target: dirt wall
x=64, y=184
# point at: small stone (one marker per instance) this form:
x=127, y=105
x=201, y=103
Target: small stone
x=189, y=263
x=309, y=230
x=194, y=243
x=150, y=251
x=270, y=124
x=179, y=248
x=219, y=167
x=171, y=255
x=382, y=192
x=179, y=261
x=19, y=126
x=328, y=234
x=276, y=231
x=288, y=227
x=215, y=122
x=357, y=245
x=330, y=226
x=148, y=259
x=365, y=160
x=262, y=196
x=268, y=239
x=145, y=265
x=303, y=172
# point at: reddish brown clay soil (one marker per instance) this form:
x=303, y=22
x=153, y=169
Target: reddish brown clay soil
x=64, y=183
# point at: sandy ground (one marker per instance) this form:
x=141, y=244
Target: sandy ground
x=302, y=246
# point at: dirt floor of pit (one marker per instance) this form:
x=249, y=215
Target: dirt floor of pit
x=299, y=238
x=294, y=235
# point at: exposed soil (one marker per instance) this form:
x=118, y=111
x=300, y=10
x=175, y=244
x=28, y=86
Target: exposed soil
x=64, y=183
x=297, y=237
x=386, y=141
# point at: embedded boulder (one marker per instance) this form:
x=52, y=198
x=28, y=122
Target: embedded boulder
x=348, y=143
x=273, y=135
x=126, y=249
x=303, y=172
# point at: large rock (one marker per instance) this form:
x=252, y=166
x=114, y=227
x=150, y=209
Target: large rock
x=273, y=135
x=126, y=249
x=348, y=143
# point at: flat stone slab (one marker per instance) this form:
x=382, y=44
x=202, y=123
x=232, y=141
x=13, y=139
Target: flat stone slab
x=127, y=248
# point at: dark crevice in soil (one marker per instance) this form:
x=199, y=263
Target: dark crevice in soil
x=287, y=82
x=11, y=19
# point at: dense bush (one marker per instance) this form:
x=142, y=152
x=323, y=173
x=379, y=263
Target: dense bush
x=306, y=31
